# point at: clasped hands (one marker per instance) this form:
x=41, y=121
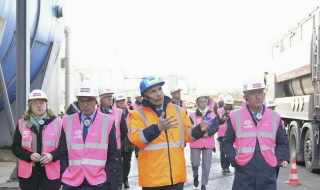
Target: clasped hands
x=46, y=158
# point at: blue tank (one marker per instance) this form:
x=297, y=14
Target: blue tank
x=46, y=30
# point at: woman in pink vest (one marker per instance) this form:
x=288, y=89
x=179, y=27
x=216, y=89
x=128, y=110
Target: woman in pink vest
x=88, y=144
x=223, y=115
x=205, y=144
x=35, y=144
x=255, y=142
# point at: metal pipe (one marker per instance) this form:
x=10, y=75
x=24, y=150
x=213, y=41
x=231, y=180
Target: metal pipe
x=67, y=67
x=3, y=89
x=6, y=103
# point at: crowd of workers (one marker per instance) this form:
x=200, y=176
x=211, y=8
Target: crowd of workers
x=91, y=147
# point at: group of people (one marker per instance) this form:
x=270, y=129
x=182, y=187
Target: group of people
x=91, y=147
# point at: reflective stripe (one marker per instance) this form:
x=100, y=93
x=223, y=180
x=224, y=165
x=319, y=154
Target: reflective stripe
x=191, y=137
x=75, y=146
x=245, y=149
x=87, y=162
x=118, y=136
x=238, y=122
x=75, y=107
x=103, y=146
x=180, y=123
x=74, y=162
x=50, y=143
x=135, y=128
x=142, y=138
x=68, y=130
x=104, y=130
x=163, y=145
x=247, y=134
x=143, y=116
x=275, y=126
x=25, y=143
x=94, y=162
x=265, y=147
x=190, y=128
x=265, y=134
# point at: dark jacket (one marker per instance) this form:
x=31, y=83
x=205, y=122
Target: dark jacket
x=111, y=160
x=38, y=178
x=73, y=108
x=126, y=145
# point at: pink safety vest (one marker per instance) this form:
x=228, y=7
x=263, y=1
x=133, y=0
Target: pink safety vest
x=50, y=142
x=223, y=126
x=116, y=113
x=247, y=134
x=212, y=104
x=184, y=106
x=87, y=160
x=134, y=106
x=202, y=142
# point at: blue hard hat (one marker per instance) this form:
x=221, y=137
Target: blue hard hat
x=150, y=81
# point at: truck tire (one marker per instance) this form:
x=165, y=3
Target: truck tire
x=293, y=143
x=308, y=151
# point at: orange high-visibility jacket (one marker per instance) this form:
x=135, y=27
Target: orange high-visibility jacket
x=161, y=162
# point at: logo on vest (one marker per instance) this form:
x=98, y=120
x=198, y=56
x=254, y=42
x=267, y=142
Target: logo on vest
x=78, y=134
x=94, y=134
x=52, y=134
x=25, y=132
x=247, y=124
x=266, y=125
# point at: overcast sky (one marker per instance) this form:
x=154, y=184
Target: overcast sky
x=218, y=42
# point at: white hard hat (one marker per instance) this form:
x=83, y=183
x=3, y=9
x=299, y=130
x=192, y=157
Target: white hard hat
x=270, y=102
x=254, y=83
x=137, y=95
x=221, y=97
x=87, y=88
x=105, y=90
x=120, y=97
x=37, y=94
x=201, y=95
x=175, y=88
x=228, y=99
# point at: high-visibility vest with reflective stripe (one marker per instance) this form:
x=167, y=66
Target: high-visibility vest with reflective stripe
x=87, y=160
x=202, y=142
x=160, y=160
x=223, y=126
x=116, y=113
x=50, y=142
x=247, y=134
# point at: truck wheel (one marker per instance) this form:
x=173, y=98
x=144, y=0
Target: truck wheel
x=308, y=151
x=293, y=143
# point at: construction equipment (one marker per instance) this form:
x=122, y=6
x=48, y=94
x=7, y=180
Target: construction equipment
x=295, y=87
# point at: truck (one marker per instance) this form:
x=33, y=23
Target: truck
x=295, y=87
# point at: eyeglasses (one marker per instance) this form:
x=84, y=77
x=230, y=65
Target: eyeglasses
x=89, y=102
x=38, y=103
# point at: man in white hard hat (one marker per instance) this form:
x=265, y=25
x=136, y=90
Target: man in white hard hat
x=223, y=115
x=88, y=144
x=126, y=146
x=255, y=142
x=175, y=92
x=129, y=102
x=138, y=101
x=221, y=101
x=106, y=95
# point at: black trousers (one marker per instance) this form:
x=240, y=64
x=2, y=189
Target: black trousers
x=223, y=159
x=178, y=186
x=126, y=164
